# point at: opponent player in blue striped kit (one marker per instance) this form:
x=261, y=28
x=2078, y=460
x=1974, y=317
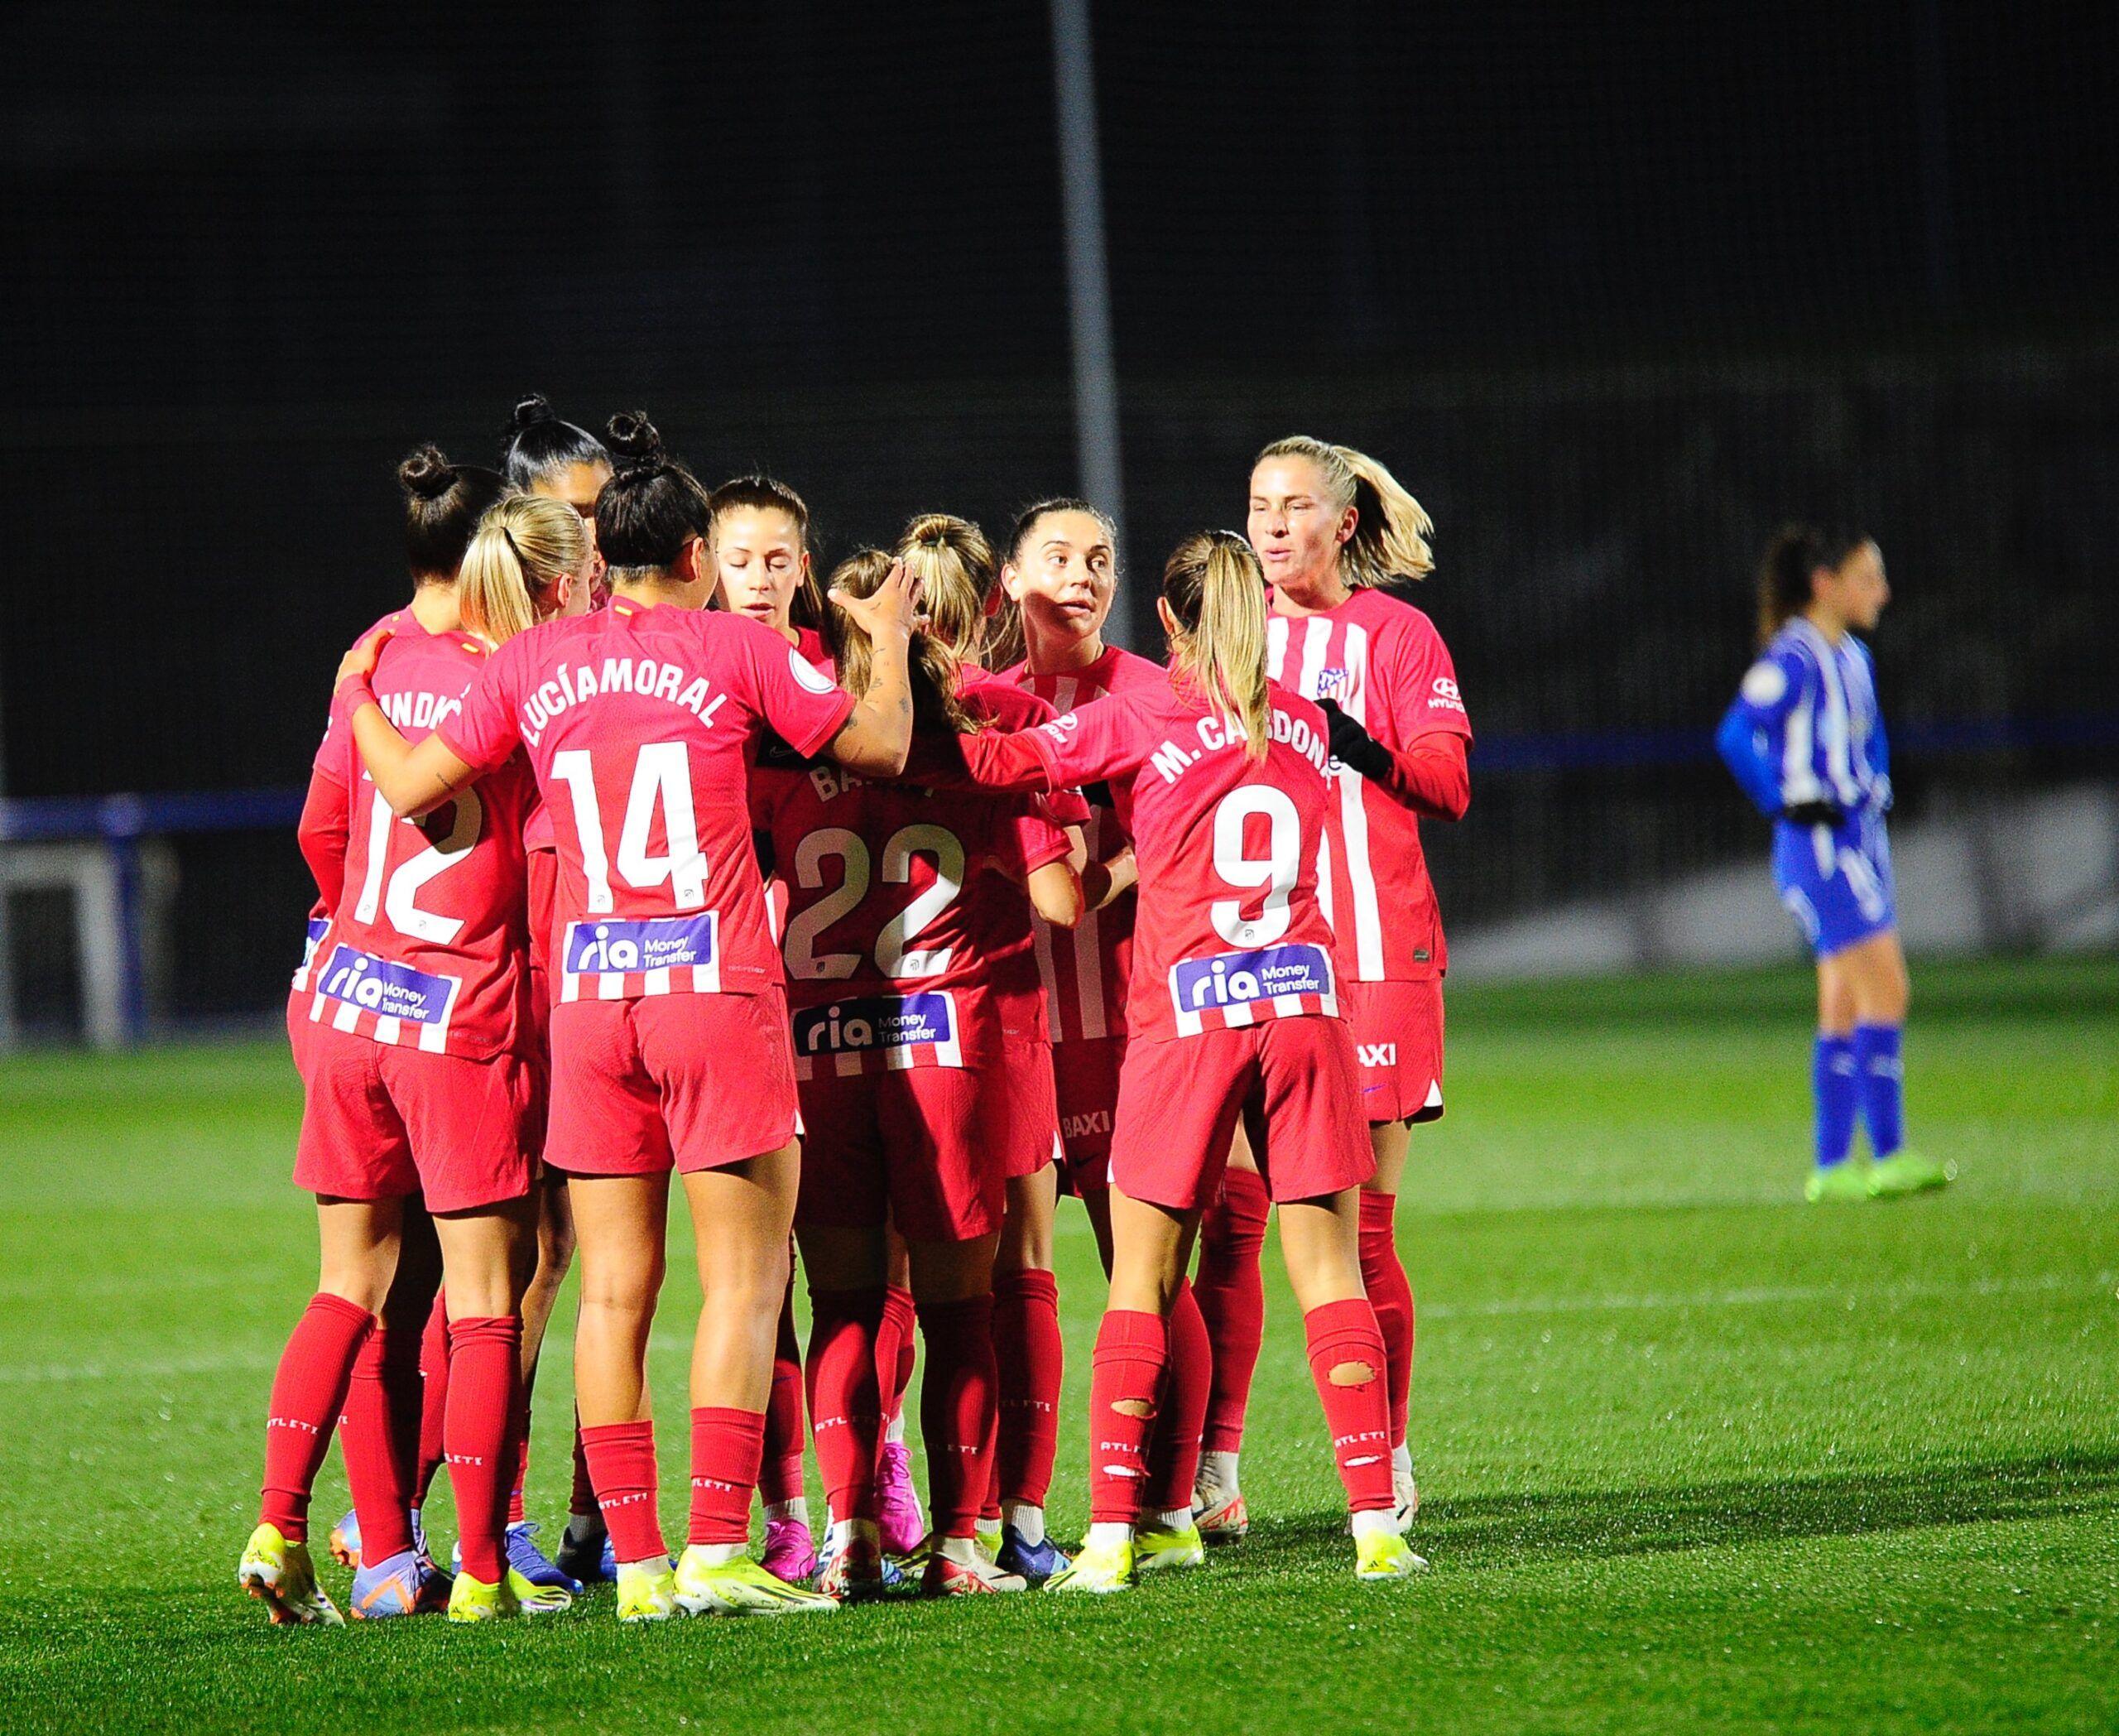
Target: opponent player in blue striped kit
x=1805, y=739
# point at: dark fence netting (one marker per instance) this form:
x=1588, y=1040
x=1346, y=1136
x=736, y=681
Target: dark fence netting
x=1596, y=534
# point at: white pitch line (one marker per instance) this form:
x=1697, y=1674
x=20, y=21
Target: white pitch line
x=33, y=1373
x=1763, y=1296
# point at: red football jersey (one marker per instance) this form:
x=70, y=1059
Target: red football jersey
x=1006, y=925
x=810, y=643
x=1385, y=664
x=642, y=723
x=429, y=945
x=1085, y=973
x=1228, y=928
x=891, y=889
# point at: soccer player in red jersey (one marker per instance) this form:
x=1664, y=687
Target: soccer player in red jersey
x=544, y=456
x=417, y=1082
x=1233, y=1014
x=670, y=1037
x=901, y=1051
x=1060, y=581
x=541, y=454
x=1332, y=528
x=762, y=570
x=960, y=581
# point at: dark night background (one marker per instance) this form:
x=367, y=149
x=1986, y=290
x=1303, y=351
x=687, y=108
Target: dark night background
x=1612, y=290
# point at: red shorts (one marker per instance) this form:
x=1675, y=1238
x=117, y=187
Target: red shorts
x=1397, y=1029
x=695, y=1081
x=1027, y=1131
x=1086, y=1075
x=1292, y=1080
x=382, y=1120
x=299, y=1026
x=921, y=1141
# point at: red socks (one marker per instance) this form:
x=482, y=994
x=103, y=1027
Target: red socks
x=1232, y=1298
x=1346, y=1360
x=1030, y=1357
x=846, y=1405
x=1174, y=1448
x=434, y=1399
x=581, y=1499
x=1390, y=1294
x=309, y=1392
x=519, y=1438
x=959, y=1408
x=895, y=1349
x=621, y=1459
x=1132, y=1349
x=485, y=1385
x=726, y=1445
x=780, y=1476
x=375, y=1469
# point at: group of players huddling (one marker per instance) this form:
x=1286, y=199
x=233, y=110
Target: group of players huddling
x=638, y=848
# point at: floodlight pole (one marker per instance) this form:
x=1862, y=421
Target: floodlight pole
x=1089, y=278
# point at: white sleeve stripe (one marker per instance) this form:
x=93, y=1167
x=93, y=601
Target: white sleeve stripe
x=1353, y=815
x=1088, y=949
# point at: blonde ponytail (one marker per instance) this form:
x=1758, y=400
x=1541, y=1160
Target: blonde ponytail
x=1216, y=588
x=933, y=664
x=524, y=546
x=954, y=564
x=1390, y=527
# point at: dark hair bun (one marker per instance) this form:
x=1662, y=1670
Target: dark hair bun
x=528, y=412
x=634, y=440
x=425, y=473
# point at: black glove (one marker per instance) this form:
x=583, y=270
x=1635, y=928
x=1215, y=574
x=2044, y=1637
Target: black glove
x=1353, y=746
x=1812, y=814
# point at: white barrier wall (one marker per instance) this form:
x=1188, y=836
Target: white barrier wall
x=2037, y=872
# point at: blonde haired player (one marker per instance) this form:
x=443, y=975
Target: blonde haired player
x=1333, y=528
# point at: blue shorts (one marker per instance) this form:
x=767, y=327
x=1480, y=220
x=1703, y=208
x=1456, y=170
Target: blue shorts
x=1836, y=881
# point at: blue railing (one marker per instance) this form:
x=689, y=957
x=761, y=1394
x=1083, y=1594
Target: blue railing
x=120, y=822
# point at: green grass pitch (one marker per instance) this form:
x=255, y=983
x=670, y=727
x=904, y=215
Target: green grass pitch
x=1695, y=1453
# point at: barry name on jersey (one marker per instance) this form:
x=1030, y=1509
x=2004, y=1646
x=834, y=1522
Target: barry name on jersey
x=643, y=677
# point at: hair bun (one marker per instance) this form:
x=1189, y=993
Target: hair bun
x=530, y=411
x=635, y=440
x=426, y=473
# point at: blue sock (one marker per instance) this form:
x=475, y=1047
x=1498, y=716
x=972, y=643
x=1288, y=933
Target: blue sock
x=1883, y=1086
x=1832, y=1076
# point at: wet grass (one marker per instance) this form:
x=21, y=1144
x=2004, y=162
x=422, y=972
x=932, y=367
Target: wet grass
x=1694, y=1454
